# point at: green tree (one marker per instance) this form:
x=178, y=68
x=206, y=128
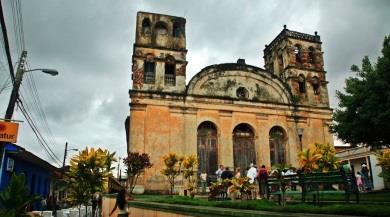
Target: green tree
x=328, y=161
x=384, y=161
x=189, y=164
x=364, y=113
x=172, y=168
x=89, y=172
x=15, y=197
x=136, y=163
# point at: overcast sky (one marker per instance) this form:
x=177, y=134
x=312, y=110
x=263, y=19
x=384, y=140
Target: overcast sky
x=90, y=44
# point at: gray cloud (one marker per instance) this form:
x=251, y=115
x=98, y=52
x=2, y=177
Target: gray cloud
x=90, y=43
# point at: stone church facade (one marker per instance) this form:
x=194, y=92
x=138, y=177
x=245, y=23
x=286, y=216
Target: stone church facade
x=232, y=113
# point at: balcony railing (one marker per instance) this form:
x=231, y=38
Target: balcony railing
x=170, y=80
x=149, y=77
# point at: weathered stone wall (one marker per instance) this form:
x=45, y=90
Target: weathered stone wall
x=165, y=125
x=156, y=44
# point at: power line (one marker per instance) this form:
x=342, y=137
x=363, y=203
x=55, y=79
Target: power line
x=38, y=135
x=6, y=45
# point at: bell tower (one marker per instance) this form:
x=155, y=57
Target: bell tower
x=297, y=58
x=159, y=53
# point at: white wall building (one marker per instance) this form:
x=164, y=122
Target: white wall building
x=357, y=156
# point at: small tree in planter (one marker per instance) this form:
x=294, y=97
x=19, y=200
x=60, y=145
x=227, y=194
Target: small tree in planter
x=189, y=164
x=136, y=163
x=172, y=168
x=241, y=186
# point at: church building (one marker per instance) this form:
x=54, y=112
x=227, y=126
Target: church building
x=232, y=114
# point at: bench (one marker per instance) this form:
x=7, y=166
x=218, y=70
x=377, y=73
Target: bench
x=274, y=185
x=313, y=184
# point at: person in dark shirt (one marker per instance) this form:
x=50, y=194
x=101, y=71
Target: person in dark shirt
x=226, y=174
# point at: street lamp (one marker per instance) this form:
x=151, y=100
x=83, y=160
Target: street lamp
x=18, y=80
x=65, y=153
x=300, y=133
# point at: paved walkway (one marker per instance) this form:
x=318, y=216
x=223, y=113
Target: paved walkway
x=221, y=211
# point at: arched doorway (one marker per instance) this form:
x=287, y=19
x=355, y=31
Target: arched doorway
x=277, y=145
x=207, y=148
x=243, y=147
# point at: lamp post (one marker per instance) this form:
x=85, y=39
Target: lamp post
x=300, y=133
x=15, y=94
x=18, y=80
x=65, y=153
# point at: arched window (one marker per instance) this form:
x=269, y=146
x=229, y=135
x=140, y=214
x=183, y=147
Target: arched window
x=311, y=55
x=242, y=93
x=302, y=84
x=161, y=28
x=316, y=85
x=170, y=68
x=243, y=146
x=207, y=148
x=277, y=145
x=176, y=31
x=146, y=27
x=297, y=52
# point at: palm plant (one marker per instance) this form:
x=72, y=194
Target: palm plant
x=328, y=161
x=15, y=197
x=308, y=159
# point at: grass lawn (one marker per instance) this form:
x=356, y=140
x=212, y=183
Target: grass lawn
x=265, y=205
x=380, y=196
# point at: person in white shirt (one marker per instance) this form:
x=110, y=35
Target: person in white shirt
x=252, y=173
x=219, y=171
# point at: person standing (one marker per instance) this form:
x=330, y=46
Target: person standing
x=121, y=204
x=251, y=174
x=203, y=181
x=219, y=172
x=262, y=177
x=227, y=174
x=359, y=181
x=238, y=173
x=43, y=204
x=364, y=172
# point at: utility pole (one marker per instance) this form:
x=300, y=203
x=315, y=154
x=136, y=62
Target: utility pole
x=63, y=163
x=12, y=102
x=119, y=164
x=15, y=89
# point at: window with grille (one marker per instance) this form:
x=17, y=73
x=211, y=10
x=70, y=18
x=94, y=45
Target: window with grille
x=149, y=72
x=170, y=75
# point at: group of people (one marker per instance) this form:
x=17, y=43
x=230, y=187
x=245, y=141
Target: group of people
x=252, y=172
x=363, y=179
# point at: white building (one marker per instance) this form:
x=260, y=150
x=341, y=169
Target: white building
x=357, y=156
